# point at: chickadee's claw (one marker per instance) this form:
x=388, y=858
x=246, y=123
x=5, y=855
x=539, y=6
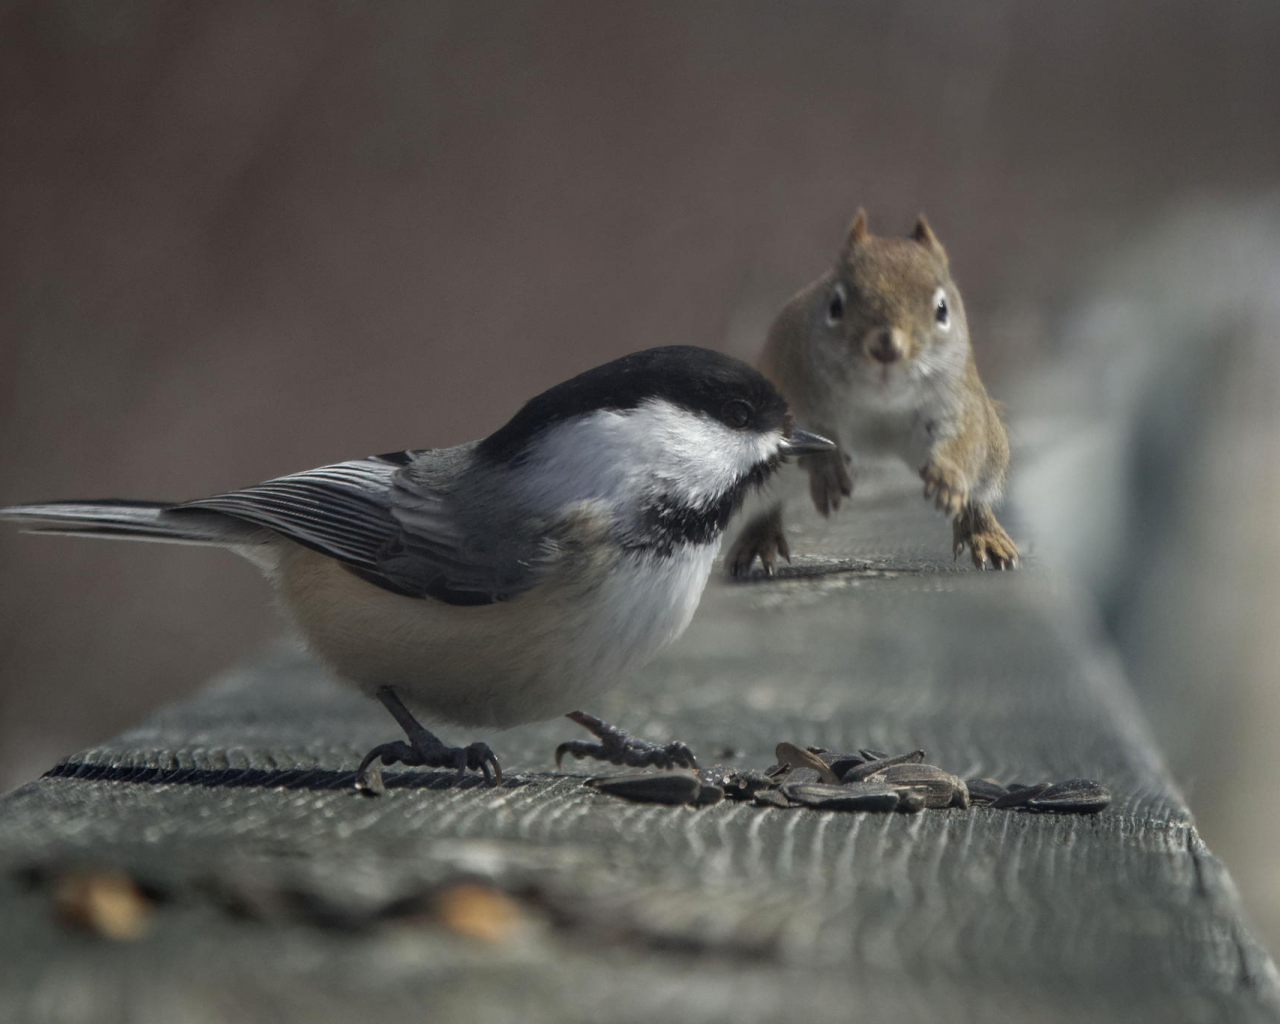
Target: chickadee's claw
x=578, y=748
x=680, y=754
x=423, y=750
x=481, y=758
x=619, y=747
x=426, y=752
x=369, y=774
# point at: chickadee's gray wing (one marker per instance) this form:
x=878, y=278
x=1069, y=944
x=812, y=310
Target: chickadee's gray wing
x=396, y=520
x=461, y=537
x=341, y=510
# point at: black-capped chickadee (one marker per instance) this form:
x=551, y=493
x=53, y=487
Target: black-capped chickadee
x=510, y=579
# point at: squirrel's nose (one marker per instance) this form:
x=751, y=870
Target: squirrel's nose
x=885, y=345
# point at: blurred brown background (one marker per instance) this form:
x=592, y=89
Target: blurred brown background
x=240, y=239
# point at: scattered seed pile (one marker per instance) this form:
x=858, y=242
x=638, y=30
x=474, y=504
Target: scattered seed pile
x=866, y=781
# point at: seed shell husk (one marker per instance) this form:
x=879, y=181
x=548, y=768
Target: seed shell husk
x=746, y=784
x=803, y=761
x=717, y=780
x=716, y=774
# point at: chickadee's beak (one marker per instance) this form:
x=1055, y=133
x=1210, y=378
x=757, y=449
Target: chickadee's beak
x=801, y=442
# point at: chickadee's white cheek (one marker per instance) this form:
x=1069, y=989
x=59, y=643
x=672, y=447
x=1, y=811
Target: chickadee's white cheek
x=617, y=455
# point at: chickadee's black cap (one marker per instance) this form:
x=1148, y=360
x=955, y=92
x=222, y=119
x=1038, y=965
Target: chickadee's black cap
x=697, y=379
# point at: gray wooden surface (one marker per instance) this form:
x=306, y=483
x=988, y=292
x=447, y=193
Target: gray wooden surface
x=630, y=912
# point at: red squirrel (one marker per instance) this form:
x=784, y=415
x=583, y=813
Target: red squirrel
x=875, y=355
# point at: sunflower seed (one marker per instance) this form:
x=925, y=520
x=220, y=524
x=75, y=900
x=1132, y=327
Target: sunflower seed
x=708, y=795
x=859, y=797
x=673, y=787
x=940, y=787
x=985, y=791
x=842, y=764
x=1018, y=797
x=1075, y=796
x=879, y=764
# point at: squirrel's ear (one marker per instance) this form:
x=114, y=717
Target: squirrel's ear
x=925, y=236
x=857, y=230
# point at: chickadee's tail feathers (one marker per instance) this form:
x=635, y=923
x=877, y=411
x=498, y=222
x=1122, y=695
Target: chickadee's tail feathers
x=131, y=520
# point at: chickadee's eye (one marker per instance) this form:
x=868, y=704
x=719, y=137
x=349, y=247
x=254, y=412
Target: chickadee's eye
x=737, y=413
x=941, y=311
x=835, y=309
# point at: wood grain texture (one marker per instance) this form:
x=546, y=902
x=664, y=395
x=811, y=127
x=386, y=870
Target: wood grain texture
x=631, y=912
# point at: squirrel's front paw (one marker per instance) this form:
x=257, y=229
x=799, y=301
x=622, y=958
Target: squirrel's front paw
x=944, y=484
x=763, y=538
x=829, y=480
x=986, y=540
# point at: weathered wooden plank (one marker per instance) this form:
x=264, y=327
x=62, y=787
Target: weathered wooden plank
x=634, y=912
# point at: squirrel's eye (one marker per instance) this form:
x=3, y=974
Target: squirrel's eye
x=737, y=413
x=941, y=311
x=835, y=309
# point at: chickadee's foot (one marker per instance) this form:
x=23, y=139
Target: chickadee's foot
x=764, y=538
x=977, y=529
x=423, y=750
x=829, y=480
x=428, y=752
x=619, y=747
x=945, y=485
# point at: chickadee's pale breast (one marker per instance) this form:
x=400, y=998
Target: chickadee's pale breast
x=540, y=654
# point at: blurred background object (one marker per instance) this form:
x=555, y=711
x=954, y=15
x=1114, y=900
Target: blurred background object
x=242, y=239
